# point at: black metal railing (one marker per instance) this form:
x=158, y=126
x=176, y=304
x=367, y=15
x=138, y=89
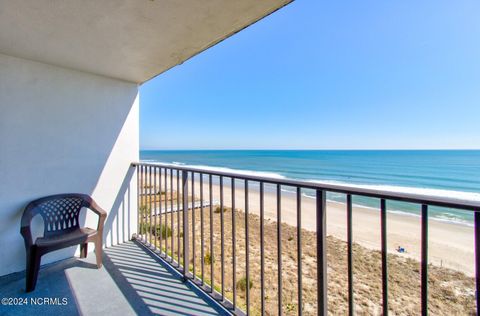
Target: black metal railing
x=167, y=207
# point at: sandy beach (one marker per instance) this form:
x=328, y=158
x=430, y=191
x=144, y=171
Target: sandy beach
x=450, y=245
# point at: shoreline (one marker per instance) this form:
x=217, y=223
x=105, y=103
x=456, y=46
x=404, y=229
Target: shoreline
x=451, y=245
x=433, y=214
x=404, y=213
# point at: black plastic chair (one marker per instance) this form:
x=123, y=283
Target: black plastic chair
x=61, y=229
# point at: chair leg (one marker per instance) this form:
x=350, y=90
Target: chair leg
x=98, y=251
x=83, y=250
x=33, y=264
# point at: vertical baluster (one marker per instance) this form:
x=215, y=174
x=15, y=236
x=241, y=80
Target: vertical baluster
x=477, y=259
x=383, y=214
x=279, y=247
x=202, y=254
x=350, y=256
x=171, y=217
x=150, y=204
x=160, y=207
x=178, y=217
x=186, y=257
x=154, y=209
x=210, y=192
x=144, y=204
x=247, y=255
x=146, y=198
x=424, y=260
x=165, y=212
x=193, y=225
x=139, y=200
x=299, y=250
x=262, y=251
x=322, y=307
x=147, y=204
x=234, y=258
x=222, y=246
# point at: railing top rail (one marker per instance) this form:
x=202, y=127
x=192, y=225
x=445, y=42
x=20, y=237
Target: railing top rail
x=338, y=188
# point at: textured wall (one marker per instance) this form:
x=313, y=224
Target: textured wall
x=64, y=131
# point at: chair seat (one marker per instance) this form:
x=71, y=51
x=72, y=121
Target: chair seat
x=75, y=237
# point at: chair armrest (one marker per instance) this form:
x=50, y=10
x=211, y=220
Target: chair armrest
x=27, y=235
x=100, y=212
x=97, y=209
x=25, y=230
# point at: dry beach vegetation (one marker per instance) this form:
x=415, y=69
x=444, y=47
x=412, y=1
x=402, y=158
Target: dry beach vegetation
x=451, y=292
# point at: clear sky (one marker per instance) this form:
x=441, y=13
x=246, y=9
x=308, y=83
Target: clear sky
x=328, y=75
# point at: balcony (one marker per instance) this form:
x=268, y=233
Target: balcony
x=245, y=258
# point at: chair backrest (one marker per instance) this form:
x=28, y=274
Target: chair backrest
x=60, y=212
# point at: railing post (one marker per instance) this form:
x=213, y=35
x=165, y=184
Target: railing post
x=299, y=251
x=424, y=260
x=321, y=253
x=477, y=259
x=383, y=230
x=351, y=306
x=186, y=255
x=139, y=201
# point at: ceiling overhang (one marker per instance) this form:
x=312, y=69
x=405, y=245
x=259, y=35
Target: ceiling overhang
x=132, y=40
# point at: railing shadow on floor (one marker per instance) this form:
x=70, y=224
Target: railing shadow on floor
x=148, y=286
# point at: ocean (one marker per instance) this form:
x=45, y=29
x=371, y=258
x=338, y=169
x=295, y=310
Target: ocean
x=448, y=173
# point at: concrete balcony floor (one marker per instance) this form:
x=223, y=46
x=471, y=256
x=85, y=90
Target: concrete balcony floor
x=132, y=282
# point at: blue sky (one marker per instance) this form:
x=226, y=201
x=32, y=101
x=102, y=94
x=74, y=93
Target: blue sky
x=328, y=75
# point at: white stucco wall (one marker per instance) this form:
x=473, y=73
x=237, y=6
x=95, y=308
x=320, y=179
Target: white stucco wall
x=64, y=131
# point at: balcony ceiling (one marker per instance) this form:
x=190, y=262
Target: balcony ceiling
x=132, y=40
